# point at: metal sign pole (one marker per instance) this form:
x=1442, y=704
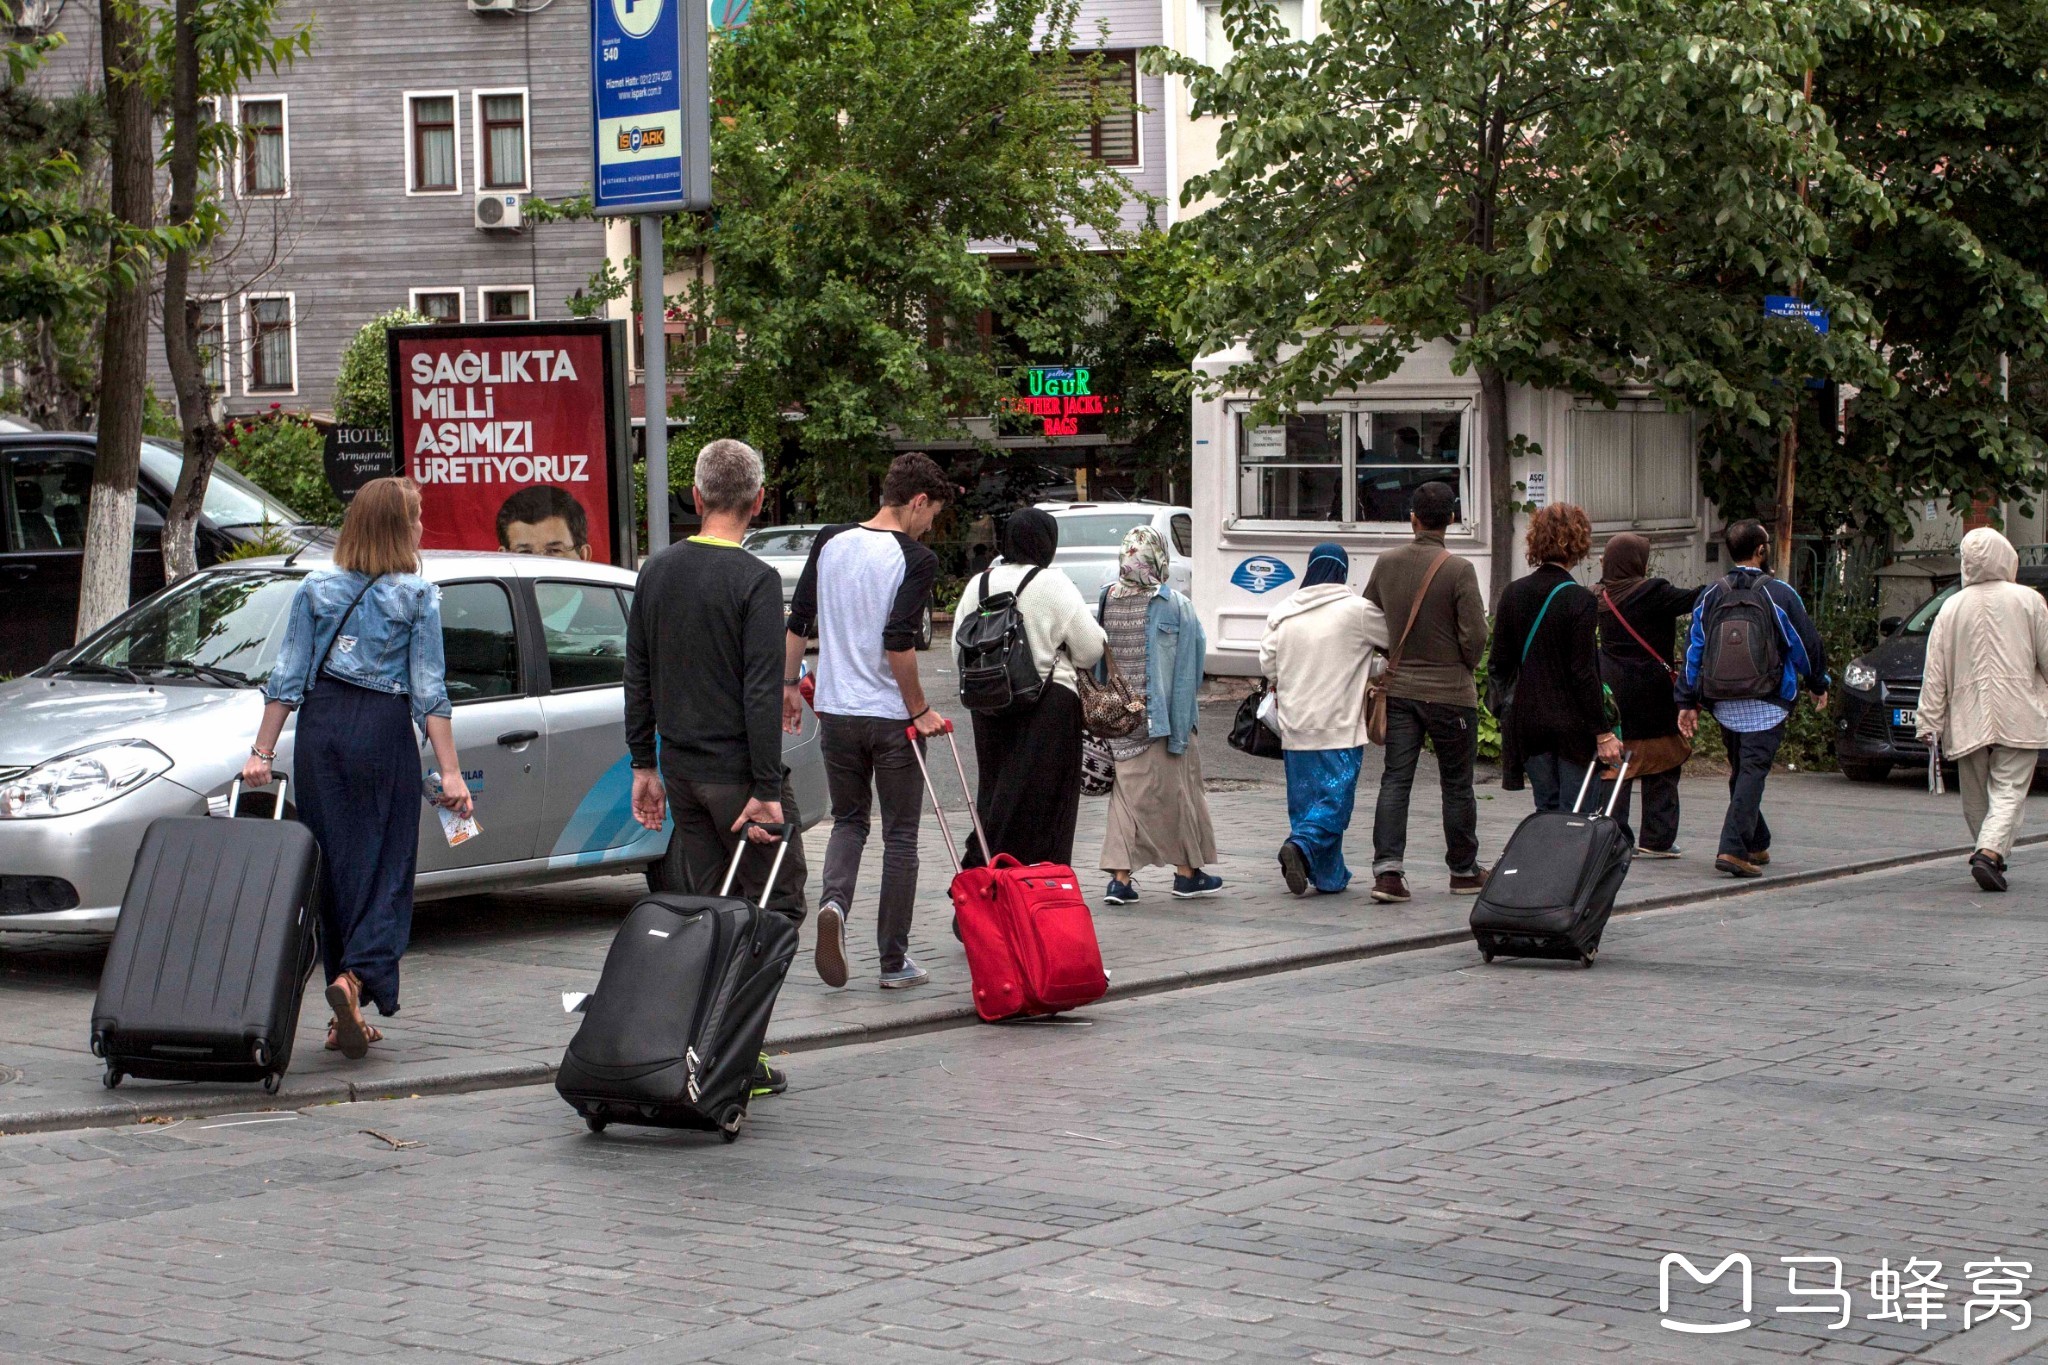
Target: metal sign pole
x=654, y=351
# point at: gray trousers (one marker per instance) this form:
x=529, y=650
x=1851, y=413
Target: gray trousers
x=701, y=846
x=1994, y=780
x=869, y=760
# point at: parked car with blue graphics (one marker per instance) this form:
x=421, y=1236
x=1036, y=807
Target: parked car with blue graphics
x=153, y=715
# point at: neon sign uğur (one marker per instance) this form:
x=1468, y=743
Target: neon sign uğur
x=1060, y=398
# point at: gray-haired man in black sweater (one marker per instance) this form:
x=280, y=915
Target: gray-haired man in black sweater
x=704, y=672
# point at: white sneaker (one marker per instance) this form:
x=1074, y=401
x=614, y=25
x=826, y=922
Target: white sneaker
x=1672, y=852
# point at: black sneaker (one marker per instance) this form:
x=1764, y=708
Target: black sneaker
x=767, y=1080
x=1984, y=867
x=1294, y=867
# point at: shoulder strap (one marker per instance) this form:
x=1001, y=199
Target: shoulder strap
x=328, y=652
x=984, y=583
x=1415, y=608
x=1018, y=593
x=1530, y=638
x=1615, y=611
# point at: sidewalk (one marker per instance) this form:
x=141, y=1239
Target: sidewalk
x=484, y=981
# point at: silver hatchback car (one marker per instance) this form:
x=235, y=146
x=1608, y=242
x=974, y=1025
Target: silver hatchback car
x=153, y=716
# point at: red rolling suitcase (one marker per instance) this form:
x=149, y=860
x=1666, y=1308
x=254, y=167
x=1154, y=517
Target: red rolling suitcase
x=1030, y=941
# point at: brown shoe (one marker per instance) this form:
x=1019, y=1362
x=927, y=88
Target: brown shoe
x=1469, y=883
x=351, y=1033
x=1736, y=867
x=1760, y=858
x=1390, y=888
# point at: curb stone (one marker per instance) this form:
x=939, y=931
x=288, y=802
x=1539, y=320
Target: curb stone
x=462, y=1080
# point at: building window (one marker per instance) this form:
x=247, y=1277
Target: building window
x=501, y=139
x=1633, y=468
x=440, y=305
x=273, y=358
x=509, y=304
x=213, y=343
x=1112, y=139
x=266, y=149
x=1217, y=49
x=1354, y=466
x=434, y=166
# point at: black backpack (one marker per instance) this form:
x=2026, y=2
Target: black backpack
x=1744, y=654
x=997, y=670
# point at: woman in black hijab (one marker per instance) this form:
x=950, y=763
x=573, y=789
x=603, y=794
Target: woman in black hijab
x=1637, y=617
x=1030, y=756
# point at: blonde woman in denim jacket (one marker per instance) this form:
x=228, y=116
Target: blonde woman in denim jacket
x=361, y=663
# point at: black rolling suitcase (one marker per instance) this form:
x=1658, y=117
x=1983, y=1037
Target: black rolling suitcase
x=672, y=1034
x=211, y=952
x=1554, y=885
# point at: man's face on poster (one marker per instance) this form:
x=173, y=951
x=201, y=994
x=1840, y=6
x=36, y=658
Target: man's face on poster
x=550, y=536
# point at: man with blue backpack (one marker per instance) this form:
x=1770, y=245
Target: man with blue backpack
x=1750, y=649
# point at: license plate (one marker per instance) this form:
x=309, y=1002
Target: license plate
x=1905, y=719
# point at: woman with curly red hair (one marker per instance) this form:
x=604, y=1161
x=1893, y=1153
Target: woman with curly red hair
x=1545, y=648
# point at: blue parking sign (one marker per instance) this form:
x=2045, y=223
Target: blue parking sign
x=650, y=115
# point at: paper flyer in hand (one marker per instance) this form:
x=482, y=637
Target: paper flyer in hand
x=460, y=829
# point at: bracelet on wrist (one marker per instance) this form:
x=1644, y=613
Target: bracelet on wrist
x=792, y=682
x=921, y=715
x=268, y=756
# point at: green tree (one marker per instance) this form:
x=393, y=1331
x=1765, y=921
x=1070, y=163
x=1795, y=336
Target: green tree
x=1576, y=198
x=862, y=148
x=362, y=388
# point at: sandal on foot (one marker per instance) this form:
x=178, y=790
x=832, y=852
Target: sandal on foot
x=351, y=1032
x=375, y=1034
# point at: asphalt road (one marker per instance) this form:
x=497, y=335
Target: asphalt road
x=1406, y=1158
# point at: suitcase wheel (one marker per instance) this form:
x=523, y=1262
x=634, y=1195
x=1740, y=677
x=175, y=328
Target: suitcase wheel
x=259, y=1053
x=595, y=1124
x=729, y=1120
x=1486, y=954
x=112, y=1078
x=272, y=1082
x=956, y=929
x=1586, y=958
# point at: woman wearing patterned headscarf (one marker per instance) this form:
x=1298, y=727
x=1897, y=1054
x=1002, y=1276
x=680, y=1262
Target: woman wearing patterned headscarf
x=1318, y=645
x=1158, y=813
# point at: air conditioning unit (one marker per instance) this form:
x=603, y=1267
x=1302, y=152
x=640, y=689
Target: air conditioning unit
x=33, y=18
x=497, y=211
x=494, y=6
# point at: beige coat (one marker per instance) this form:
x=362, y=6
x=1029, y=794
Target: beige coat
x=1317, y=648
x=1987, y=657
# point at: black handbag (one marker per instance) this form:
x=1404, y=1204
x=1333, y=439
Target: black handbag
x=1249, y=734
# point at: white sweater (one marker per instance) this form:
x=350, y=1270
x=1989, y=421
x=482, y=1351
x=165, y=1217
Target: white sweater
x=1054, y=614
x=1317, y=647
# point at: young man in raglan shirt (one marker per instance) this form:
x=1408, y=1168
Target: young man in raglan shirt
x=862, y=595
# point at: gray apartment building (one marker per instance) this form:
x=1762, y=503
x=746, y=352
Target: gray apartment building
x=391, y=166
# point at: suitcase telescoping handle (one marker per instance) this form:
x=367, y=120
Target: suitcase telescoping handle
x=973, y=811
x=784, y=832
x=235, y=797
x=1620, y=776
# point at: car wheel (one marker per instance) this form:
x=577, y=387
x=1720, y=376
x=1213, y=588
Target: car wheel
x=924, y=628
x=1860, y=771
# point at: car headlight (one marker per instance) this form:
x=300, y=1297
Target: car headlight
x=82, y=780
x=1859, y=677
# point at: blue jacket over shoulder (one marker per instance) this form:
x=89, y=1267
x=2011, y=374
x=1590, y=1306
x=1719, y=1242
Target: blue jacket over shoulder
x=1175, y=648
x=391, y=641
x=1806, y=657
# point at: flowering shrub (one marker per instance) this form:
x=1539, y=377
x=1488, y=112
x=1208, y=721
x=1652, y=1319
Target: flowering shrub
x=281, y=453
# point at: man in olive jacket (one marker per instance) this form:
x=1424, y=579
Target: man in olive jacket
x=1430, y=693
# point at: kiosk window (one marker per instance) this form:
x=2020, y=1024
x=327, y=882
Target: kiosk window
x=1358, y=466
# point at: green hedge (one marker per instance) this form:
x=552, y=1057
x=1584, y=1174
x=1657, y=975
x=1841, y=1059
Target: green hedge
x=280, y=452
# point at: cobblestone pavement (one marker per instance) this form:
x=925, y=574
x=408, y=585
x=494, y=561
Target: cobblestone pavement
x=483, y=981
x=1406, y=1158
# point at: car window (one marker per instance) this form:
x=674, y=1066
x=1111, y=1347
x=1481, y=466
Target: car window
x=481, y=648
x=231, y=500
x=584, y=627
x=225, y=620
x=1099, y=530
x=1183, y=534
x=778, y=542
x=47, y=506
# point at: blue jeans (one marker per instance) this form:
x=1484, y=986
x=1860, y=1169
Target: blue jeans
x=1744, y=831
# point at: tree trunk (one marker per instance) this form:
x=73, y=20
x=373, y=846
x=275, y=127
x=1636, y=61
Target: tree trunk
x=181, y=314
x=1500, y=480
x=124, y=338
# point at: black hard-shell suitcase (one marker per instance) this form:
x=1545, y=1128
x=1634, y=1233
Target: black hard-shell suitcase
x=211, y=952
x=1554, y=885
x=672, y=1034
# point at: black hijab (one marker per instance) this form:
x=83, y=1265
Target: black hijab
x=1030, y=537
x=1623, y=567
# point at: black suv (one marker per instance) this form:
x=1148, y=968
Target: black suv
x=45, y=483
x=1880, y=692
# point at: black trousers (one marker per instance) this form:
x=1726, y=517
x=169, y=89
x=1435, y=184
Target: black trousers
x=701, y=845
x=1745, y=830
x=1029, y=780
x=1454, y=731
x=1660, y=809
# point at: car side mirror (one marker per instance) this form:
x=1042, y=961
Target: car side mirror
x=1890, y=624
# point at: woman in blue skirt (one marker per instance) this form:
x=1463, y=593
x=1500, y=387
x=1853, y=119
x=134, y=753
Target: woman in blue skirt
x=1317, y=649
x=362, y=665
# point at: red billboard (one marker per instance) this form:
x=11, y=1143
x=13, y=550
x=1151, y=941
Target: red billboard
x=515, y=433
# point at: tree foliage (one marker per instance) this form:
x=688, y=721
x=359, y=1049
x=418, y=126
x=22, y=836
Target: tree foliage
x=1590, y=198
x=861, y=150
x=362, y=387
